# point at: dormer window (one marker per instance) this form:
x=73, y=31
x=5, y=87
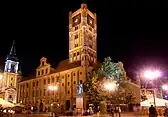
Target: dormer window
x=47, y=71
x=42, y=72
x=43, y=63
x=38, y=72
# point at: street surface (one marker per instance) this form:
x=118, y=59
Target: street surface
x=47, y=115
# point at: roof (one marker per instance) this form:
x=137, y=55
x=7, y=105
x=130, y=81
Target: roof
x=65, y=65
x=62, y=66
x=12, y=55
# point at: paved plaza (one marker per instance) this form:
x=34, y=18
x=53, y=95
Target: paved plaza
x=47, y=115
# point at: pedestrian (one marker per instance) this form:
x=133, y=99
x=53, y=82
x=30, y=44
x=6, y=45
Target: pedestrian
x=152, y=112
x=119, y=111
x=112, y=112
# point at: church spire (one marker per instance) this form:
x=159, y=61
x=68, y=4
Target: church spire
x=12, y=54
x=13, y=51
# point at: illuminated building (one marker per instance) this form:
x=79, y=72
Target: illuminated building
x=8, y=82
x=68, y=73
x=59, y=84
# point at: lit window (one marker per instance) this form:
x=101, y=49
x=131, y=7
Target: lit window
x=43, y=63
x=62, y=84
x=46, y=70
x=48, y=80
x=44, y=81
x=52, y=79
x=76, y=28
x=42, y=72
x=76, y=36
x=38, y=72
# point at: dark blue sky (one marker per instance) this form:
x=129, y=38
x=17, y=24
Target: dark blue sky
x=134, y=32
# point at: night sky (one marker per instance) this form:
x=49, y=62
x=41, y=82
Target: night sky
x=134, y=32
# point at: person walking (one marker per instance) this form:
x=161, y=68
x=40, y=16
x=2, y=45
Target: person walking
x=112, y=112
x=152, y=112
x=119, y=111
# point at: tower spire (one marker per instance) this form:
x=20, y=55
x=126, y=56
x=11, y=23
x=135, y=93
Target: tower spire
x=12, y=54
x=13, y=50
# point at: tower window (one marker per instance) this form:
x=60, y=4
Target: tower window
x=11, y=84
x=74, y=74
x=11, y=78
x=74, y=54
x=80, y=81
x=77, y=53
x=76, y=28
x=76, y=36
x=74, y=82
x=68, y=83
x=68, y=92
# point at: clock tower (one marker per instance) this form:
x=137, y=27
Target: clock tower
x=82, y=36
x=9, y=86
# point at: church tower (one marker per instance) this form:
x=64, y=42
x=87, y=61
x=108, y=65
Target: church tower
x=82, y=36
x=10, y=76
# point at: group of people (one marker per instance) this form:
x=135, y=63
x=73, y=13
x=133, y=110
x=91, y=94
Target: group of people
x=153, y=112
x=116, y=110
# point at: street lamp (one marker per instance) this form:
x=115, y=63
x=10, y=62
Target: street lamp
x=152, y=75
x=110, y=86
x=52, y=88
x=165, y=87
x=1, y=76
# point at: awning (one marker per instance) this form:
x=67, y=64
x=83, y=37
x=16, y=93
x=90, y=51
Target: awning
x=158, y=101
x=6, y=104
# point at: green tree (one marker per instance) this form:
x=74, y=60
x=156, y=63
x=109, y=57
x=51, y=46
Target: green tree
x=91, y=89
x=108, y=72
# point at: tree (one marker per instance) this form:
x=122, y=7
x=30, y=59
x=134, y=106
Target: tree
x=115, y=72
x=108, y=72
x=91, y=89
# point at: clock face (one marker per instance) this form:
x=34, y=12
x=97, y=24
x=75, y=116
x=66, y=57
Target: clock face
x=76, y=20
x=90, y=21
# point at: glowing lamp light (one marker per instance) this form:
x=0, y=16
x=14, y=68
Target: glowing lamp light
x=165, y=87
x=52, y=88
x=1, y=76
x=110, y=86
x=152, y=74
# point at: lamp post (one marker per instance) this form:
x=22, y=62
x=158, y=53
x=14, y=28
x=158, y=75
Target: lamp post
x=152, y=75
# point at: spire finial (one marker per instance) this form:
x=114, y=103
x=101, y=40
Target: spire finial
x=12, y=51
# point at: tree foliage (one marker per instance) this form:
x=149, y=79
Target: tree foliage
x=108, y=72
